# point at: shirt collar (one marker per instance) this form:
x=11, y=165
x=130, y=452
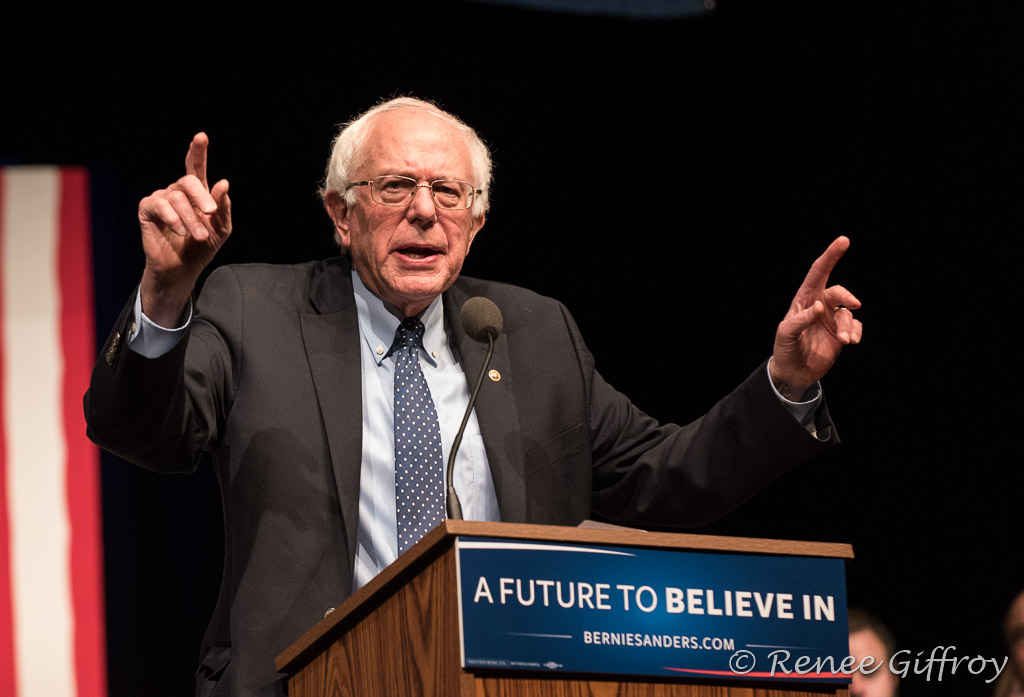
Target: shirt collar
x=378, y=325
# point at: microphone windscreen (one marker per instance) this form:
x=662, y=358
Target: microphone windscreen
x=480, y=317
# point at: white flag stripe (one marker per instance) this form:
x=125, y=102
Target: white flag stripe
x=36, y=485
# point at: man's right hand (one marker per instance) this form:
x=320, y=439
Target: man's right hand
x=183, y=226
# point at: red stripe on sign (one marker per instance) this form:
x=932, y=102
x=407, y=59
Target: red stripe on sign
x=83, y=495
x=778, y=675
x=6, y=609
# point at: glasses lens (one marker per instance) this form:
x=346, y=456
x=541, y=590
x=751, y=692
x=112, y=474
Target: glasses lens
x=450, y=193
x=393, y=191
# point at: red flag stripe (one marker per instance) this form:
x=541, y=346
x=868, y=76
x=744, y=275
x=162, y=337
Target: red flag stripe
x=6, y=607
x=83, y=494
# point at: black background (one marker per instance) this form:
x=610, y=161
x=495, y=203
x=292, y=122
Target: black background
x=665, y=179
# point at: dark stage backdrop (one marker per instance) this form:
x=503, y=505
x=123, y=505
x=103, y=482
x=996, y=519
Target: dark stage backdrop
x=658, y=176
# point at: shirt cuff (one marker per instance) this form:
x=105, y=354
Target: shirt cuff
x=804, y=410
x=151, y=340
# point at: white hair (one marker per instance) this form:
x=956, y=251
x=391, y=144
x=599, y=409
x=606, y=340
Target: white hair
x=347, y=150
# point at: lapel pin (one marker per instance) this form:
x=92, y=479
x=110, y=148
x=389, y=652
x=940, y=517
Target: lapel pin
x=494, y=375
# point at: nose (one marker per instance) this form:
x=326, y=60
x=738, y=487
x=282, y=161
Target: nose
x=422, y=207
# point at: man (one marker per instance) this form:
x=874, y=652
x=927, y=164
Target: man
x=869, y=637
x=286, y=374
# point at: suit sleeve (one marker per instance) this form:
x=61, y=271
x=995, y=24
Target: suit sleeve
x=162, y=413
x=648, y=473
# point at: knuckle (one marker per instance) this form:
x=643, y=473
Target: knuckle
x=180, y=202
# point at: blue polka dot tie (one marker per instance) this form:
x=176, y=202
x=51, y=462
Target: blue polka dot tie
x=419, y=472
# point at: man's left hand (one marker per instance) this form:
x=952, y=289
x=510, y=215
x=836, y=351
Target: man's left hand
x=819, y=323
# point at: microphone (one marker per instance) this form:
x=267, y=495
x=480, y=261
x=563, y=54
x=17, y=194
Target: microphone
x=481, y=320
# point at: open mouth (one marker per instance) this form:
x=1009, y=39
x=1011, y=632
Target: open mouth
x=417, y=252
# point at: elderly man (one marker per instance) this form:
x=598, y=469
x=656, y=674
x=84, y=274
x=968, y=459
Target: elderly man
x=292, y=376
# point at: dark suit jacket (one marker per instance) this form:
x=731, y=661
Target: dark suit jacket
x=268, y=381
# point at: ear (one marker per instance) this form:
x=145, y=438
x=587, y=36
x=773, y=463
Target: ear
x=338, y=211
x=475, y=228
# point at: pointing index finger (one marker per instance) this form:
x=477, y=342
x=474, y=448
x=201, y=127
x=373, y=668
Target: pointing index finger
x=817, y=277
x=195, y=160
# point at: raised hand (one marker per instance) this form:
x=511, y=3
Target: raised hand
x=819, y=323
x=183, y=226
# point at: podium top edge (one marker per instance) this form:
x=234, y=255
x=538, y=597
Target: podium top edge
x=630, y=537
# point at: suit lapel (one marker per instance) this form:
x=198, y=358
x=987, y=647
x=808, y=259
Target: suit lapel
x=495, y=407
x=331, y=337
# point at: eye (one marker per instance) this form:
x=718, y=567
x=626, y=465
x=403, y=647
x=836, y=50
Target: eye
x=394, y=184
x=393, y=189
x=448, y=192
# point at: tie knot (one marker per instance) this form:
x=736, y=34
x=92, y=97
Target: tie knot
x=409, y=333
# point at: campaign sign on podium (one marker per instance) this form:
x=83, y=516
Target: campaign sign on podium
x=618, y=610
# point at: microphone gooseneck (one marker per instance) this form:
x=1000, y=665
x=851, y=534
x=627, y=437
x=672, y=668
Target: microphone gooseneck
x=481, y=320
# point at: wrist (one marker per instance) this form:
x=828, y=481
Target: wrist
x=164, y=303
x=790, y=387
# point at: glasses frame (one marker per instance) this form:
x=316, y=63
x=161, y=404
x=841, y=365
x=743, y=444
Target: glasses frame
x=470, y=199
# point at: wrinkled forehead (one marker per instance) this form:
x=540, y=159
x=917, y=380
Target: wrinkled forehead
x=415, y=141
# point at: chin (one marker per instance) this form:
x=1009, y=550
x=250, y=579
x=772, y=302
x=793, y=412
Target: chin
x=421, y=289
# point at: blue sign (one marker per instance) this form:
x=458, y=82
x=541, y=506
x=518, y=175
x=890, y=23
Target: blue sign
x=653, y=612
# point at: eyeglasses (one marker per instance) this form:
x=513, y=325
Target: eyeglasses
x=396, y=190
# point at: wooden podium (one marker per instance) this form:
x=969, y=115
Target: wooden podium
x=399, y=635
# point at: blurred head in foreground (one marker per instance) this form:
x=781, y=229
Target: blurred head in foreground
x=870, y=637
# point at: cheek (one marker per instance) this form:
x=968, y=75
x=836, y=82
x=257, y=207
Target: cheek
x=367, y=239
x=461, y=239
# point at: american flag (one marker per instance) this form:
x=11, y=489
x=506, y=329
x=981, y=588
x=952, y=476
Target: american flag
x=51, y=582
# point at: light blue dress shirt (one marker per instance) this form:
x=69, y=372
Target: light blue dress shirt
x=377, y=536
